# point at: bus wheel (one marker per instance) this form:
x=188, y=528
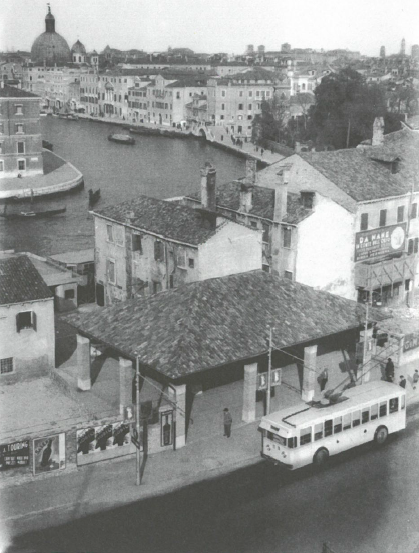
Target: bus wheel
x=321, y=456
x=381, y=435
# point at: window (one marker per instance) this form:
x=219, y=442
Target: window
x=288, y=274
x=292, y=442
x=223, y=106
x=416, y=245
x=356, y=418
x=383, y=409
x=171, y=281
x=249, y=107
x=328, y=427
x=156, y=287
x=305, y=435
x=347, y=421
x=374, y=412
x=400, y=213
x=181, y=258
x=383, y=217
x=158, y=250
x=25, y=319
x=365, y=415
x=119, y=235
x=414, y=212
x=6, y=365
x=287, y=237
x=253, y=224
x=109, y=233
x=137, y=245
x=1, y=166
x=364, y=221
x=191, y=263
x=410, y=246
x=318, y=431
x=21, y=164
x=265, y=234
x=110, y=270
x=337, y=425
x=19, y=109
x=223, y=93
x=394, y=405
x=240, y=107
x=19, y=128
x=241, y=93
x=69, y=295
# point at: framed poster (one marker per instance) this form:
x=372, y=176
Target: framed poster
x=15, y=455
x=49, y=454
x=103, y=442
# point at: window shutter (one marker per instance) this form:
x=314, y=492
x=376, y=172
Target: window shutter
x=17, y=323
x=34, y=320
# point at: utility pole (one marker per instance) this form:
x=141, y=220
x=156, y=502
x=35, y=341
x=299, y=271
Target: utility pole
x=137, y=422
x=365, y=341
x=268, y=389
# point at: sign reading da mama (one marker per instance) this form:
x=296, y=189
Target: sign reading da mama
x=380, y=242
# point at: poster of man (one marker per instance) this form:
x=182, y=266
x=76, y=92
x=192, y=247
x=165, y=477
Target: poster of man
x=49, y=454
x=97, y=443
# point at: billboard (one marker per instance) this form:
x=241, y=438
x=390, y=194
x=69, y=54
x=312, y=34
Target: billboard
x=97, y=443
x=380, y=242
x=15, y=455
x=49, y=454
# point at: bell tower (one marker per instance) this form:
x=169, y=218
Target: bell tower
x=49, y=21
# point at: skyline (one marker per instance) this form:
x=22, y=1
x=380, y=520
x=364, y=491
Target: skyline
x=131, y=24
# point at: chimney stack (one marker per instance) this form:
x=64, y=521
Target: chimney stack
x=281, y=194
x=378, y=131
x=208, y=190
x=246, y=196
x=251, y=170
x=129, y=218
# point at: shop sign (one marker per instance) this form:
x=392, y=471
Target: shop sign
x=411, y=341
x=96, y=441
x=15, y=455
x=370, y=244
x=49, y=454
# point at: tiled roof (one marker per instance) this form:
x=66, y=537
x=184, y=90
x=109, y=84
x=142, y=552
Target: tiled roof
x=13, y=92
x=166, y=219
x=20, y=281
x=218, y=321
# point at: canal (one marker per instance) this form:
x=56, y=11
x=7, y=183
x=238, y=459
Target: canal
x=155, y=166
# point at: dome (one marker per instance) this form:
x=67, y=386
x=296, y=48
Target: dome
x=50, y=46
x=78, y=48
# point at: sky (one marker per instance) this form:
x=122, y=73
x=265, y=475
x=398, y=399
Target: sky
x=215, y=25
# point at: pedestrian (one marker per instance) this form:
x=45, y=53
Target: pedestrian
x=261, y=152
x=402, y=381
x=227, y=422
x=389, y=370
x=323, y=379
x=415, y=378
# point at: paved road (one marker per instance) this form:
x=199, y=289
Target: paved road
x=365, y=501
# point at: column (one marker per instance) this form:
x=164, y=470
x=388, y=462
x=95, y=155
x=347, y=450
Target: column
x=83, y=363
x=126, y=374
x=366, y=356
x=249, y=392
x=177, y=394
x=309, y=375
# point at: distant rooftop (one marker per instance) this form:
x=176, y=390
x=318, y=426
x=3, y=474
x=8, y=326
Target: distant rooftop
x=20, y=282
x=13, y=92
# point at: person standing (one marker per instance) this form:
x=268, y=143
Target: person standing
x=389, y=370
x=402, y=381
x=415, y=378
x=323, y=379
x=227, y=422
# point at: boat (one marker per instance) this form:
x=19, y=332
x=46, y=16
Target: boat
x=121, y=138
x=47, y=145
x=94, y=197
x=43, y=113
x=72, y=117
x=34, y=214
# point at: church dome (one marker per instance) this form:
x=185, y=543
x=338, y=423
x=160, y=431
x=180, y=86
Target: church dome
x=50, y=47
x=78, y=48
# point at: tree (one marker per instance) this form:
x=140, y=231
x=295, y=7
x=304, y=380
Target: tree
x=270, y=123
x=345, y=110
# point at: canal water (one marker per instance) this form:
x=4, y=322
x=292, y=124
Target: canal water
x=155, y=166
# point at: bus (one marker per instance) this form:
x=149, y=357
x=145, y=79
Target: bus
x=311, y=432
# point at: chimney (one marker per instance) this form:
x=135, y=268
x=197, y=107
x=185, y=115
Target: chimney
x=246, y=194
x=129, y=218
x=378, y=131
x=281, y=195
x=251, y=169
x=208, y=191
x=297, y=147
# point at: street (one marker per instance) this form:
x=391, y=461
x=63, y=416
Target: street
x=365, y=501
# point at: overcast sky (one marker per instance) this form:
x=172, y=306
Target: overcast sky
x=216, y=25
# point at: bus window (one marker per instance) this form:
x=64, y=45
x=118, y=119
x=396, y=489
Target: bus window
x=394, y=405
x=318, y=431
x=374, y=411
x=403, y=402
x=305, y=435
x=365, y=415
x=337, y=425
x=277, y=438
x=328, y=427
x=347, y=421
x=383, y=409
x=292, y=442
x=356, y=418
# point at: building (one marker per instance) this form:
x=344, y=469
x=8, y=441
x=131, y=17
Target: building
x=382, y=52
x=89, y=92
x=27, y=345
x=146, y=245
x=78, y=53
x=112, y=93
x=20, y=133
x=137, y=100
x=50, y=48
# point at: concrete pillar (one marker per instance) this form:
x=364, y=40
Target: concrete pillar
x=177, y=394
x=84, y=381
x=366, y=356
x=249, y=392
x=309, y=375
x=126, y=374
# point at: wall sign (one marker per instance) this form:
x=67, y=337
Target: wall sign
x=411, y=341
x=49, y=454
x=15, y=455
x=98, y=442
x=380, y=242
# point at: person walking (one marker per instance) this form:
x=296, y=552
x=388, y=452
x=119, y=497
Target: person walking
x=402, y=381
x=323, y=379
x=415, y=378
x=389, y=370
x=227, y=422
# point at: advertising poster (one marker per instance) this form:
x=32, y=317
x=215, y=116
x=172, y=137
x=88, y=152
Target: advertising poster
x=380, y=242
x=49, y=454
x=15, y=455
x=103, y=442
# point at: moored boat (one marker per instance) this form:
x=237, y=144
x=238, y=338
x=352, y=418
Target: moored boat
x=121, y=138
x=34, y=214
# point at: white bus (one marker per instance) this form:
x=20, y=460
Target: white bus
x=310, y=432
